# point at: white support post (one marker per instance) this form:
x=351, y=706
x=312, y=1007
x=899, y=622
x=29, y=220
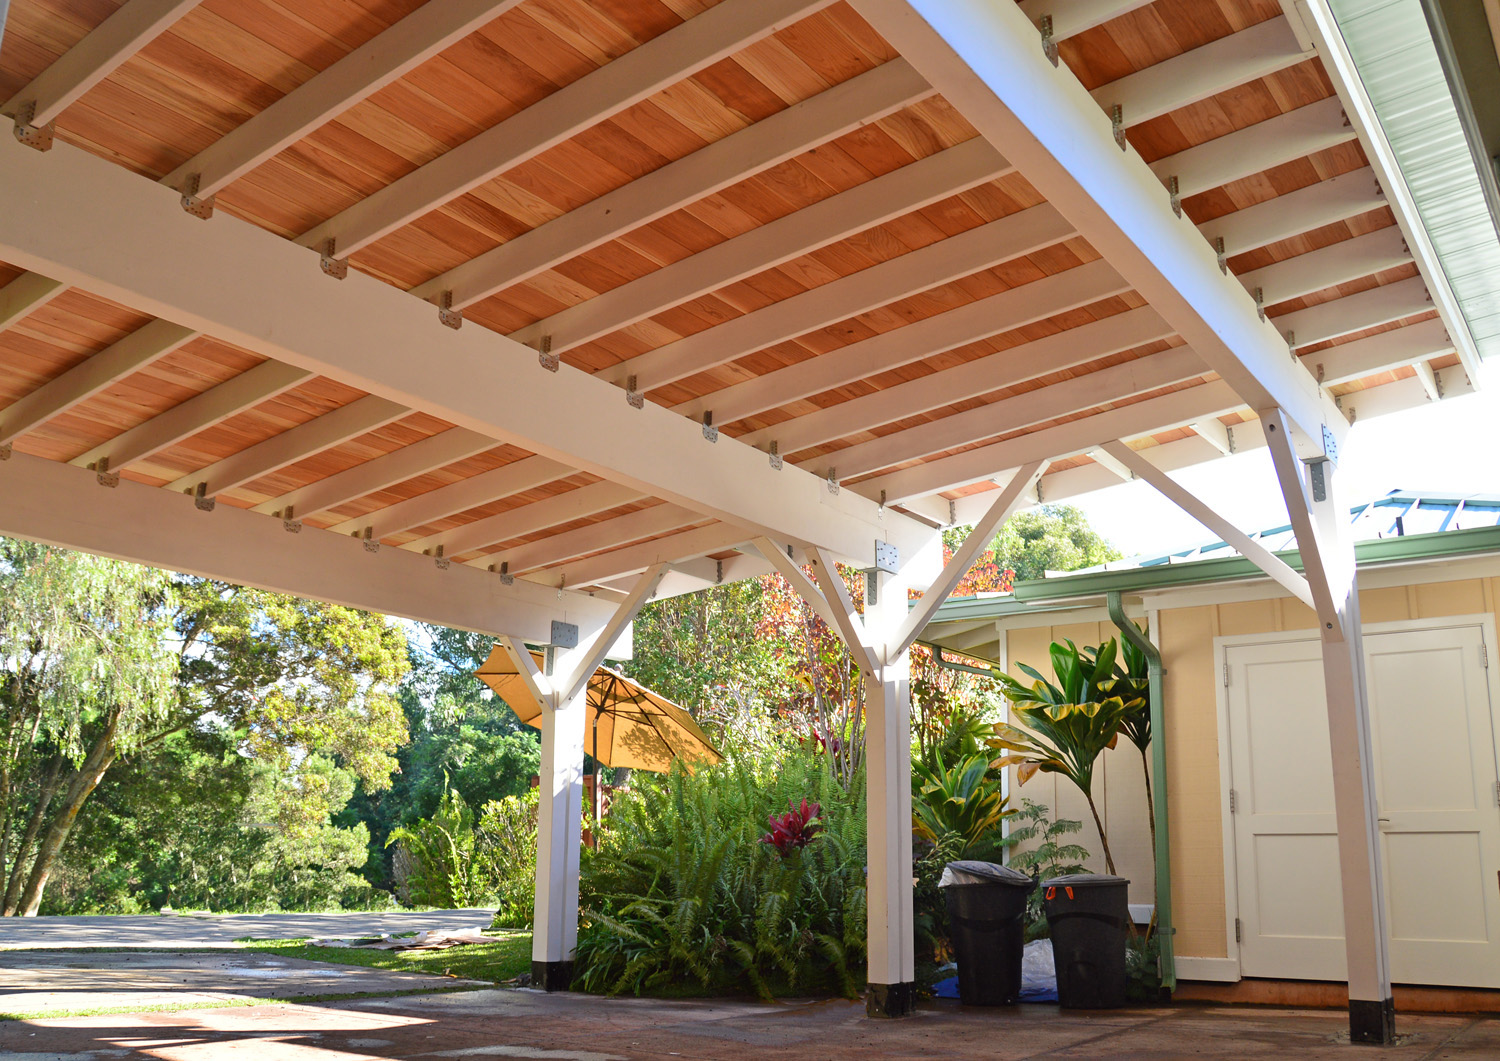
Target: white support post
x=563, y=693
x=1326, y=543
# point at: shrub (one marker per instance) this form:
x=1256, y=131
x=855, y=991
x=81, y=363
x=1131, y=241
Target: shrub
x=681, y=891
x=507, y=842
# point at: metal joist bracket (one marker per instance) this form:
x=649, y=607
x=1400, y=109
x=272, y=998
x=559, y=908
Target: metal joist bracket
x=775, y=456
x=450, y=317
x=833, y=481
x=564, y=635
x=887, y=557
x=5, y=452
x=200, y=208
x=33, y=136
x=289, y=521
x=1219, y=251
x=710, y=432
x=104, y=475
x=201, y=500
x=544, y=355
x=506, y=578
x=1117, y=122
x=372, y=545
x=1049, y=40
x=1173, y=193
x=634, y=398
x=334, y=266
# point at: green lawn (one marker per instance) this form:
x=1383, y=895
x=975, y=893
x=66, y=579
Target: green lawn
x=505, y=959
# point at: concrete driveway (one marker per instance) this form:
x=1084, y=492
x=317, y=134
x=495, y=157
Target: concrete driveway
x=213, y=930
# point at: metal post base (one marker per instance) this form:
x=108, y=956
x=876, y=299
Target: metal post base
x=891, y=1000
x=552, y=976
x=1372, y=1022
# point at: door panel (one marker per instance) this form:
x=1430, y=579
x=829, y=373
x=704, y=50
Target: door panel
x=1435, y=779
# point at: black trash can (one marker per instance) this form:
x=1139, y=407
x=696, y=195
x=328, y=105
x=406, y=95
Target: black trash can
x=1088, y=915
x=986, y=914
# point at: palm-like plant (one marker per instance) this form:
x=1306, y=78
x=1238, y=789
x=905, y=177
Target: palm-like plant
x=1067, y=724
x=963, y=801
x=1130, y=680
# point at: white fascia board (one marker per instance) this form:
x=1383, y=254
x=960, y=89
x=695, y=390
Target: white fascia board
x=1256, y=148
x=50, y=502
x=926, y=267
x=1341, y=70
x=26, y=294
x=1325, y=203
x=1354, y=313
x=990, y=316
x=134, y=24
x=889, y=196
x=988, y=63
x=1381, y=352
x=383, y=59
x=679, y=53
x=1205, y=71
x=86, y=379
x=814, y=121
x=90, y=223
x=1072, y=17
x=1337, y=263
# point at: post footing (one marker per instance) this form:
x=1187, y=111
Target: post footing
x=1372, y=1022
x=552, y=976
x=891, y=1000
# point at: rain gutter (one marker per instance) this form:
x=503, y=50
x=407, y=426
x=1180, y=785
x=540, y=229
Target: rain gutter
x=1164, y=929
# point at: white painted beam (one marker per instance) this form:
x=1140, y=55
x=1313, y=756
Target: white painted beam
x=754, y=149
x=528, y=519
x=371, y=476
x=538, y=556
x=295, y=444
x=255, y=290
x=1337, y=263
x=864, y=206
x=901, y=346
x=513, y=478
x=86, y=379
x=198, y=413
x=1072, y=17
x=983, y=375
x=1429, y=381
x=1260, y=147
x=1011, y=414
x=640, y=73
x=50, y=502
x=1216, y=433
x=385, y=58
x=1325, y=203
x=927, y=267
x=1353, y=313
x=133, y=25
x=26, y=294
x=1201, y=72
x=672, y=548
x=1380, y=352
x=1247, y=547
x=984, y=58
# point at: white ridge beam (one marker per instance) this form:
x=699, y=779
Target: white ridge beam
x=1345, y=196
x=135, y=24
x=754, y=149
x=24, y=295
x=990, y=316
x=528, y=519
x=570, y=545
x=640, y=73
x=1353, y=313
x=1381, y=352
x=919, y=270
x=524, y=474
x=1010, y=414
x=385, y=58
x=1055, y=353
x=864, y=206
x=371, y=476
x=1247, y=546
x=86, y=379
x=1265, y=145
x=255, y=290
x=295, y=444
x=46, y=501
x=198, y=413
x=1329, y=266
x=1205, y=71
x=1072, y=17
x=984, y=58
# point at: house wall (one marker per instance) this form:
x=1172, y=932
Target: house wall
x=1186, y=636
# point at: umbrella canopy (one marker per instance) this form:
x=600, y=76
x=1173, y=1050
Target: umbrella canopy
x=627, y=724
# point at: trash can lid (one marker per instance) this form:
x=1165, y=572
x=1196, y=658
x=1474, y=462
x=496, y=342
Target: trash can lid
x=974, y=872
x=1083, y=880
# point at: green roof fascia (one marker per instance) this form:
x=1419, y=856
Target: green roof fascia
x=1407, y=549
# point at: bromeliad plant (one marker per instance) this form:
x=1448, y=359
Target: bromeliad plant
x=959, y=807
x=1067, y=725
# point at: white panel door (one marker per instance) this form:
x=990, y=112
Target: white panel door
x=1440, y=825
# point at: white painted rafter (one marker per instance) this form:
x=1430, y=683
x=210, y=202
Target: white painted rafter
x=557, y=549
x=527, y=519
x=864, y=206
x=26, y=294
x=1072, y=17
x=1337, y=263
x=1353, y=313
x=130, y=28
x=769, y=142
x=514, y=478
x=1325, y=203
x=679, y=53
x=385, y=58
x=673, y=548
x=927, y=267
x=1381, y=352
x=1265, y=145
x=1110, y=464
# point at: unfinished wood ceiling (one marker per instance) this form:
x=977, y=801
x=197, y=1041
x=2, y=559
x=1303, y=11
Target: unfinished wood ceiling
x=754, y=213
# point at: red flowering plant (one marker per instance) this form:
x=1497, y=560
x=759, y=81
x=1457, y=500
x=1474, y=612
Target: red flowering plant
x=795, y=829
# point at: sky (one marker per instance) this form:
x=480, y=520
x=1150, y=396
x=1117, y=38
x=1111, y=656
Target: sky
x=1452, y=445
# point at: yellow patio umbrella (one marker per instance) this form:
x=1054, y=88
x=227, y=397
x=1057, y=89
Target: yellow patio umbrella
x=629, y=725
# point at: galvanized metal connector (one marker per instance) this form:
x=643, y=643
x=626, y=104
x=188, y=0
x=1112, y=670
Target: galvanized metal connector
x=1223, y=258
x=371, y=545
x=438, y=558
x=5, y=452
x=506, y=578
x=447, y=315
x=289, y=522
x=833, y=481
x=710, y=432
x=545, y=357
x=634, y=397
x=104, y=475
x=201, y=500
x=775, y=456
x=1117, y=121
x=30, y=134
x=1260, y=303
x=203, y=207
x=1174, y=196
x=334, y=266
x=1049, y=40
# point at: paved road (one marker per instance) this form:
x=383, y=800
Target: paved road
x=208, y=930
